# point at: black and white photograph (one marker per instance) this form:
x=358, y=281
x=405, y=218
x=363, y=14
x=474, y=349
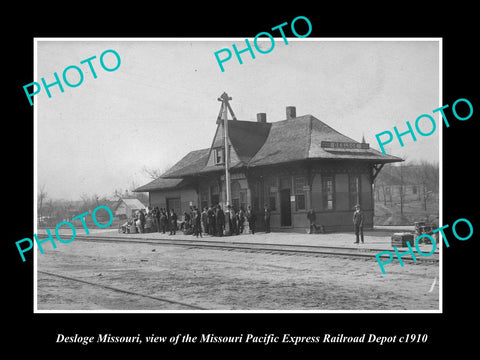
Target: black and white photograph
x=258, y=188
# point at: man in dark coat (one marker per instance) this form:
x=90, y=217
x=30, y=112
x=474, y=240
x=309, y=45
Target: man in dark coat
x=250, y=215
x=266, y=218
x=358, y=218
x=211, y=221
x=186, y=222
x=167, y=212
x=156, y=212
x=197, y=227
x=142, y=221
x=232, y=220
x=173, y=222
x=163, y=221
x=312, y=218
x=219, y=220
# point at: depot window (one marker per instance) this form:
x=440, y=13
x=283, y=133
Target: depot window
x=328, y=192
x=219, y=156
x=300, y=183
x=354, y=189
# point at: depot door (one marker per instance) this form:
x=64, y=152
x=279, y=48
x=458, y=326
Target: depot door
x=285, y=208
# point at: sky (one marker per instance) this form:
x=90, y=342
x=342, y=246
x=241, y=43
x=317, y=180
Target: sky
x=161, y=102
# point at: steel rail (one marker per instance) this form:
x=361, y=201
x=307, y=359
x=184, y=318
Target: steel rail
x=290, y=249
x=122, y=290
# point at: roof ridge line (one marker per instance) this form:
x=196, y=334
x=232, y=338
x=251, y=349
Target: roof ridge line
x=307, y=152
x=331, y=128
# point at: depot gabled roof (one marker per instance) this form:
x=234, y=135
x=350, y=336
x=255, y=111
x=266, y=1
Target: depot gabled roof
x=161, y=183
x=262, y=144
x=301, y=138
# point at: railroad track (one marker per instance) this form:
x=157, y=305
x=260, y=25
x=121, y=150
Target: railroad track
x=285, y=249
x=170, y=301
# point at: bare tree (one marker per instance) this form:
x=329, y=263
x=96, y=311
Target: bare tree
x=41, y=196
x=117, y=194
x=85, y=202
x=427, y=176
x=95, y=199
x=384, y=191
x=49, y=207
x=152, y=173
x=401, y=190
x=397, y=176
x=394, y=180
x=155, y=173
x=384, y=180
x=391, y=178
x=89, y=201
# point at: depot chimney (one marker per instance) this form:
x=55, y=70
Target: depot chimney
x=291, y=112
x=262, y=117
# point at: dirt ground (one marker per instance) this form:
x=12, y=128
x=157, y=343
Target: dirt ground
x=227, y=280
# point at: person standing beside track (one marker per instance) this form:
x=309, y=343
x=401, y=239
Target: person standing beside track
x=197, y=226
x=312, y=218
x=219, y=220
x=240, y=221
x=163, y=220
x=167, y=213
x=250, y=215
x=142, y=221
x=211, y=221
x=156, y=212
x=204, y=220
x=138, y=222
x=266, y=217
x=358, y=218
x=173, y=222
x=232, y=220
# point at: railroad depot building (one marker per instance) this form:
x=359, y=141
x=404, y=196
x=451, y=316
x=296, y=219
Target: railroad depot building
x=292, y=165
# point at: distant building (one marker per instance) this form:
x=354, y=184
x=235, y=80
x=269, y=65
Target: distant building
x=291, y=165
x=125, y=208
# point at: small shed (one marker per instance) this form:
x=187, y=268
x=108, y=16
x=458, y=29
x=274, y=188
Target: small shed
x=126, y=208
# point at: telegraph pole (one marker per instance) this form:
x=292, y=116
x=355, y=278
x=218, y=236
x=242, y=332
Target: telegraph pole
x=224, y=98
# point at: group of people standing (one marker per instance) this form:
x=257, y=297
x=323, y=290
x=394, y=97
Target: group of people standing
x=212, y=221
x=152, y=220
x=216, y=222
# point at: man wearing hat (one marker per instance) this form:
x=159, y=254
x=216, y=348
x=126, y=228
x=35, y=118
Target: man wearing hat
x=358, y=223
